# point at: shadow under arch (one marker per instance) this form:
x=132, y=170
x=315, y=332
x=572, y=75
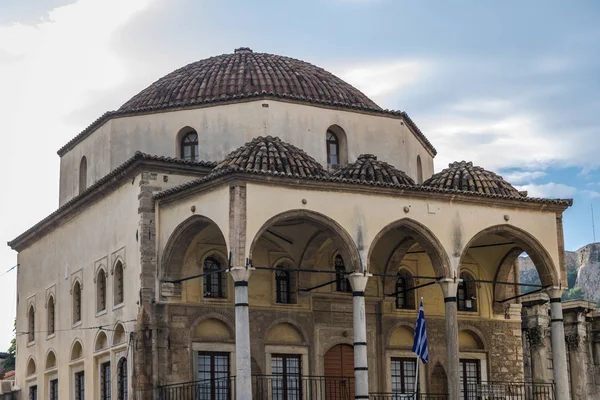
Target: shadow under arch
x=476, y=335
x=520, y=241
x=413, y=232
x=349, y=246
x=289, y=321
x=179, y=241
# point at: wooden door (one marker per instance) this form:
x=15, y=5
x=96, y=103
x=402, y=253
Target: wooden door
x=339, y=372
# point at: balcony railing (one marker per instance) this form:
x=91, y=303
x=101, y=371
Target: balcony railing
x=218, y=389
x=509, y=390
x=294, y=387
x=407, y=396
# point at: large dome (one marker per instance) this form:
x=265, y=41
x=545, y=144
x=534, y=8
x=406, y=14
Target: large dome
x=246, y=74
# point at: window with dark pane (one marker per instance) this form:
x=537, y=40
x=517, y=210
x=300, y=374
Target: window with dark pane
x=405, y=296
x=33, y=392
x=214, y=280
x=53, y=394
x=189, y=146
x=119, y=284
x=333, y=148
x=403, y=375
x=342, y=284
x=282, y=285
x=80, y=385
x=31, y=323
x=213, y=371
x=51, y=316
x=122, y=379
x=101, y=291
x=287, y=377
x=466, y=294
x=470, y=377
x=76, y=302
x=105, y=381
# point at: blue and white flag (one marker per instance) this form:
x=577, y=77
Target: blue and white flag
x=420, y=344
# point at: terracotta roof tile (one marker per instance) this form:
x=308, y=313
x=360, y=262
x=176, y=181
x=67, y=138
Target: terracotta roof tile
x=464, y=176
x=368, y=168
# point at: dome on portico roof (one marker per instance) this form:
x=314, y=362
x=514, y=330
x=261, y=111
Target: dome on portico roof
x=464, y=176
x=368, y=169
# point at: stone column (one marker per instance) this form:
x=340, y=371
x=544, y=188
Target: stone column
x=536, y=323
x=359, y=281
x=243, y=373
x=559, y=350
x=449, y=288
x=578, y=343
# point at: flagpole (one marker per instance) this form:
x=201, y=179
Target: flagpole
x=417, y=378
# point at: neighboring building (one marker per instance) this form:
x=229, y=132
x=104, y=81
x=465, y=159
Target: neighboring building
x=252, y=215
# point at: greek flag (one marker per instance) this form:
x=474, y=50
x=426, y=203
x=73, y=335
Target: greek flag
x=420, y=344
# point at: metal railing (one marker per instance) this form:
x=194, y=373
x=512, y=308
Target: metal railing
x=295, y=387
x=509, y=390
x=407, y=396
x=217, y=389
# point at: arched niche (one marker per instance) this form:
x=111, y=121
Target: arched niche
x=76, y=351
x=82, y=174
x=101, y=342
x=119, y=336
x=402, y=336
x=337, y=134
x=31, y=367
x=211, y=329
x=419, y=170
x=51, y=360
x=469, y=340
x=284, y=333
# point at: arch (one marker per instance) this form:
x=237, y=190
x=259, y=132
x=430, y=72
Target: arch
x=419, y=170
x=502, y=292
x=100, y=290
x=401, y=336
x=119, y=335
x=76, y=350
x=467, y=293
x=82, y=174
x=51, y=359
x=336, y=137
x=287, y=321
x=101, y=342
x=51, y=315
x=223, y=319
x=523, y=240
x=76, y=301
x=31, y=323
x=181, y=238
x=349, y=246
x=212, y=329
x=468, y=339
x=118, y=283
x=187, y=141
x=284, y=332
x=421, y=235
x=31, y=366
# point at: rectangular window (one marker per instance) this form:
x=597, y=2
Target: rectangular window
x=213, y=376
x=403, y=375
x=105, y=381
x=287, y=376
x=470, y=378
x=33, y=392
x=79, y=386
x=53, y=395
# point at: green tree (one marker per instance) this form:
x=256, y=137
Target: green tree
x=571, y=278
x=574, y=294
x=9, y=364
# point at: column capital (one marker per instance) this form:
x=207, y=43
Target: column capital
x=359, y=280
x=240, y=274
x=555, y=292
x=449, y=286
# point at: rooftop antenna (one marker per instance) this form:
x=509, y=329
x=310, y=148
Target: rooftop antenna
x=593, y=225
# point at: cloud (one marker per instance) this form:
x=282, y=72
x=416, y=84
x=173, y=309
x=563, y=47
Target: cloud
x=591, y=193
x=549, y=190
x=382, y=79
x=523, y=176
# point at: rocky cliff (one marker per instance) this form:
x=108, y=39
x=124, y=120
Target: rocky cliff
x=583, y=270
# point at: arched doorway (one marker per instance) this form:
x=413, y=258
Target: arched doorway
x=339, y=362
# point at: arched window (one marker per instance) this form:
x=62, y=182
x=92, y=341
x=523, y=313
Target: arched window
x=82, y=174
x=282, y=285
x=419, y=170
x=122, y=379
x=214, y=283
x=31, y=324
x=467, y=295
x=341, y=281
x=118, y=284
x=76, y=302
x=101, y=291
x=189, y=146
x=51, y=317
x=405, y=296
x=333, y=149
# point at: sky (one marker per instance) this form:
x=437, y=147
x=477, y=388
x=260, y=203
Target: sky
x=512, y=86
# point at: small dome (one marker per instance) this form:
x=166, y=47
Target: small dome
x=464, y=176
x=243, y=74
x=367, y=168
x=270, y=154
